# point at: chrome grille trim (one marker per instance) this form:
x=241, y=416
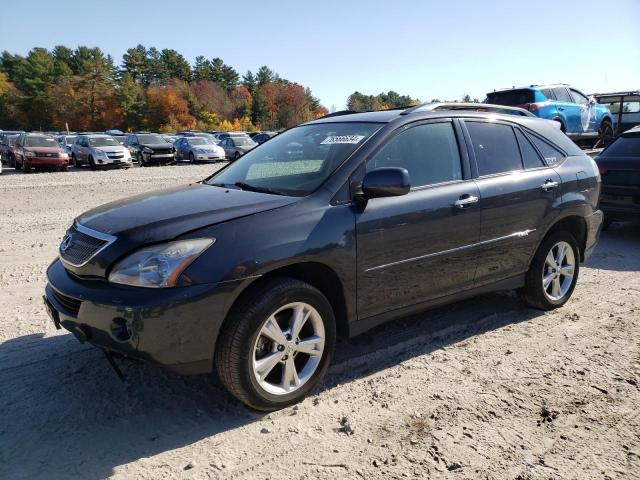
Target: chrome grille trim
x=88, y=248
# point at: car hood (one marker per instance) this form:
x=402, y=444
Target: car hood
x=166, y=214
x=44, y=149
x=158, y=146
x=111, y=148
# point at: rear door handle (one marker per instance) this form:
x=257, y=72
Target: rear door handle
x=561, y=108
x=464, y=201
x=549, y=185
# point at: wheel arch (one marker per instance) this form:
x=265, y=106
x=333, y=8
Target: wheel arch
x=317, y=274
x=574, y=224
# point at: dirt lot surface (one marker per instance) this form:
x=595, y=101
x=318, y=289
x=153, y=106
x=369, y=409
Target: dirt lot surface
x=483, y=389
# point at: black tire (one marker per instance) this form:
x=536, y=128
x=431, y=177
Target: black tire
x=605, y=134
x=606, y=223
x=192, y=159
x=236, y=156
x=533, y=293
x=74, y=161
x=25, y=168
x=92, y=163
x=63, y=169
x=234, y=352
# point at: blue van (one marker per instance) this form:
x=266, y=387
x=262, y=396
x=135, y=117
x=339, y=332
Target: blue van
x=580, y=117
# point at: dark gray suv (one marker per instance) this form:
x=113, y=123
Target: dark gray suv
x=329, y=228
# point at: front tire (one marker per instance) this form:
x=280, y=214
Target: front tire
x=192, y=159
x=276, y=345
x=553, y=273
x=92, y=163
x=25, y=168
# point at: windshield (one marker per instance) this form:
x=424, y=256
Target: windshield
x=103, y=142
x=70, y=140
x=243, y=141
x=40, y=142
x=625, y=146
x=151, y=139
x=297, y=161
x=12, y=140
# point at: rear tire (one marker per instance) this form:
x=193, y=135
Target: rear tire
x=605, y=134
x=243, y=348
x=552, y=276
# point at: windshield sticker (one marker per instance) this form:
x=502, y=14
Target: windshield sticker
x=335, y=139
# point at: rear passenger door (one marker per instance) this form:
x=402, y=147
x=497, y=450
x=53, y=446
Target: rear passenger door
x=517, y=194
x=568, y=109
x=413, y=248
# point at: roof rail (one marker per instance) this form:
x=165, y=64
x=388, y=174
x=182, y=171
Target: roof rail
x=479, y=107
x=340, y=113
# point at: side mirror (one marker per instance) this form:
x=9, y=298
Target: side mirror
x=386, y=182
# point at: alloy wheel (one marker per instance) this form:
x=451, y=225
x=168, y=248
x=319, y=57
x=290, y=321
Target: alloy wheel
x=558, y=271
x=288, y=348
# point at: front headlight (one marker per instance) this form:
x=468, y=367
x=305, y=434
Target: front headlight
x=100, y=153
x=159, y=266
x=147, y=150
x=29, y=153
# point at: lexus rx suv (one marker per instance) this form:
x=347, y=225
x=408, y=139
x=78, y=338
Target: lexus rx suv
x=255, y=270
x=580, y=117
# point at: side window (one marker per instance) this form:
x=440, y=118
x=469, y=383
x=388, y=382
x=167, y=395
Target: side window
x=530, y=156
x=631, y=107
x=547, y=92
x=551, y=154
x=579, y=98
x=429, y=152
x=562, y=95
x=495, y=147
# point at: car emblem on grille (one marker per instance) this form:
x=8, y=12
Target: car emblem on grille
x=66, y=242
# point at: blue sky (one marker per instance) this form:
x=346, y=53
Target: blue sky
x=425, y=49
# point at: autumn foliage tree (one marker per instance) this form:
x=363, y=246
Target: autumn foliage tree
x=152, y=89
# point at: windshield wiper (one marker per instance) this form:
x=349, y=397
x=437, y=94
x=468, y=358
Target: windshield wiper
x=254, y=188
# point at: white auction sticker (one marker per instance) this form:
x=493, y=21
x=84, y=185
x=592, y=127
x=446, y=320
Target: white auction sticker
x=333, y=139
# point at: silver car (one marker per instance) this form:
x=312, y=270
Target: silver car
x=236, y=145
x=198, y=149
x=99, y=150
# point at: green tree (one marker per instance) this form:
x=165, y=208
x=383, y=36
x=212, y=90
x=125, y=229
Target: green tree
x=264, y=76
x=176, y=65
x=202, y=69
x=136, y=63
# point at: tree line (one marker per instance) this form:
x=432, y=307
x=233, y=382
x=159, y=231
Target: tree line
x=150, y=89
x=359, y=102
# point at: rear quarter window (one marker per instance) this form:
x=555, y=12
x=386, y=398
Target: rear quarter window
x=530, y=156
x=495, y=147
x=551, y=155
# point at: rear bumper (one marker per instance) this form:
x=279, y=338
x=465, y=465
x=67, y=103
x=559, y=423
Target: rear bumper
x=176, y=328
x=594, y=226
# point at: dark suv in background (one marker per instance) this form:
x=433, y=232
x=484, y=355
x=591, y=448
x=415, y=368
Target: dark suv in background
x=330, y=228
x=150, y=148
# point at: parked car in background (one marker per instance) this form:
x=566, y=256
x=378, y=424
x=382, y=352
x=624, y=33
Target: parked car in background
x=262, y=137
x=235, y=145
x=36, y=150
x=197, y=149
x=120, y=138
x=150, y=148
x=619, y=166
x=624, y=108
x=99, y=150
x=170, y=138
x=255, y=271
x=212, y=138
x=580, y=117
x=7, y=145
x=66, y=142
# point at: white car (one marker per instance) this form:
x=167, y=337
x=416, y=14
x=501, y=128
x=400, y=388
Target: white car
x=198, y=149
x=98, y=150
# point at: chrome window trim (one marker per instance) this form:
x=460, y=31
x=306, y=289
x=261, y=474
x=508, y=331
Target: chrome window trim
x=524, y=233
x=109, y=239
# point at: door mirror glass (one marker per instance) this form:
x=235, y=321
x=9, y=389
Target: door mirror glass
x=386, y=182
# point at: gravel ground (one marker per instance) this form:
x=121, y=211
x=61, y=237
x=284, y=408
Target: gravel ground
x=482, y=389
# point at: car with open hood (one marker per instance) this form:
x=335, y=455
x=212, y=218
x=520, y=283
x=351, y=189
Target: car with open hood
x=330, y=228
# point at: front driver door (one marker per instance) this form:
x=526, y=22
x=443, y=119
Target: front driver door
x=414, y=248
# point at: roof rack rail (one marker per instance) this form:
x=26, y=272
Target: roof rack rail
x=478, y=107
x=340, y=113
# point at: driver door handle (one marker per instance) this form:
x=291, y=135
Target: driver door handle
x=549, y=185
x=465, y=201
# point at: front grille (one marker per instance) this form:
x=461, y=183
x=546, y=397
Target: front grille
x=162, y=151
x=116, y=155
x=71, y=305
x=80, y=244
